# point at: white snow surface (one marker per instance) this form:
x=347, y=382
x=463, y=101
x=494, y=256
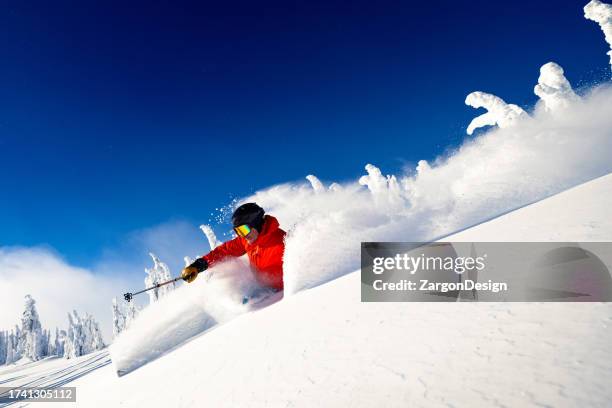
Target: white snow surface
x=323, y=347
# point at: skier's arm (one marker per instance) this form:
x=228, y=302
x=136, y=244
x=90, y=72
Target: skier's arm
x=234, y=247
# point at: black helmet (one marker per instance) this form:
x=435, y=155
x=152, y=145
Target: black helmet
x=250, y=214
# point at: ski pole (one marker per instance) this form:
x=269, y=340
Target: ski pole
x=128, y=296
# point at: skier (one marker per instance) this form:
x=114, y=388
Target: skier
x=259, y=236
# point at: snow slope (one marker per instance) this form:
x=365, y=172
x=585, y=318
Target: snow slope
x=324, y=347
x=52, y=371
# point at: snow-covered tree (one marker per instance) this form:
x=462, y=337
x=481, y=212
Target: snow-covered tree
x=554, y=89
x=73, y=344
x=213, y=242
x=498, y=113
x=384, y=189
x=124, y=314
x=118, y=318
x=131, y=313
x=2, y=347
x=17, y=344
x=31, y=339
x=158, y=274
x=83, y=336
x=10, y=349
x=50, y=344
x=93, y=335
x=601, y=13
x=60, y=339
x=315, y=183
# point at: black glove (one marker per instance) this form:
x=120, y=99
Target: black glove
x=200, y=264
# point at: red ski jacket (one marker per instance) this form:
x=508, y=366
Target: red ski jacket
x=265, y=254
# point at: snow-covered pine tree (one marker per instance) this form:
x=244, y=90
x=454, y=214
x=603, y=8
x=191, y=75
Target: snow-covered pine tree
x=83, y=336
x=213, y=242
x=93, y=336
x=159, y=273
x=130, y=315
x=42, y=344
x=119, y=318
x=17, y=344
x=50, y=344
x=60, y=339
x=10, y=349
x=2, y=347
x=32, y=340
x=73, y=345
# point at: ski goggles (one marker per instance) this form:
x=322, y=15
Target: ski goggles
x=242, y=230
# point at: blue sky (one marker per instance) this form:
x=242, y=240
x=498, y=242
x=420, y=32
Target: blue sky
x=115, y=118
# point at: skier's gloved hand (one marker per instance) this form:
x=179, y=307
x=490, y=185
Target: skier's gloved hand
x=190, y=273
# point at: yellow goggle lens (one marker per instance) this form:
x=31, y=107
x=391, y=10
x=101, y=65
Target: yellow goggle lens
x=243, y=230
